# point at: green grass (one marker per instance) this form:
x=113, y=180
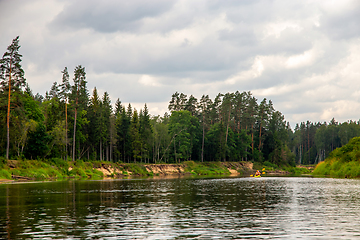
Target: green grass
x=136, y=169
x=343, y=162
x=206, y=168
x=5, y=174
x=50, y=169
x=297, y=171
x=57, y=168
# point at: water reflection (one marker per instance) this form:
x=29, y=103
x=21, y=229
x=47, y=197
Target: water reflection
x=182, y=208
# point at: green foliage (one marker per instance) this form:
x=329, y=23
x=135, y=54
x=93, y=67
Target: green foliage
x=3, y=162
x=5, y=174
x=297, y=170
x=36, y=170
x=37, y=143
x=206, y=168
x=78, y=172
x=137, y=169
x=58, y=162
x=269, y=166
x=258, y=166
x=183, y=131
x=343, y=162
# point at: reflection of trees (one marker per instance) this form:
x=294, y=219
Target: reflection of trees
x=7, y=213
x=75, y=208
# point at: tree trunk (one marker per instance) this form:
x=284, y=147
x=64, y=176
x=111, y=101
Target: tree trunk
x=203, y=140
x=8, y=118
x=227, y=131
x=111, y=152
x=100, y=149
x=252, y=139
x=260, y=136
x=175, y=151
x=66, y=130
x=73, y=153
x=107, y=153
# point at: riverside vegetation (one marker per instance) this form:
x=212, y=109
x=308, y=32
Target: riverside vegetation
x=57, y=169
x=343, y=162
x=69, y=124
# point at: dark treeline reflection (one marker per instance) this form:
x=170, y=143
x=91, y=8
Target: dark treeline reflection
x=71, y=208
x=180, y=208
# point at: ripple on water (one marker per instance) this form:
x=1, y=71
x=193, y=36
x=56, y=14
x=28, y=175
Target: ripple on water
x=230, y=208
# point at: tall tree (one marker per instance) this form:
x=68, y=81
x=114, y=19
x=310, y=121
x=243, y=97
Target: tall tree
x=135, y=136
x=64, y=95
x=226, y=109
x=78, y=92
x=204, y=106
x=191, y=105
x=106, y=111
x=11, y=69
x=94, y=114
x=145, y=132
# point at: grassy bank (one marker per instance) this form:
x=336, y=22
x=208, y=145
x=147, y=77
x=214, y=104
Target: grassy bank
x=51, y=169
x=343, y=162
x=273, y=169
x=59, y=169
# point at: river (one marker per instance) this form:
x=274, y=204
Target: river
x=182, y=208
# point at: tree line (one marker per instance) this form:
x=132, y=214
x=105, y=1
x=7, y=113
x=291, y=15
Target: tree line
x=69, y=122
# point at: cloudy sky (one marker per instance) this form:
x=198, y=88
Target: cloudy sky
x=303, y=55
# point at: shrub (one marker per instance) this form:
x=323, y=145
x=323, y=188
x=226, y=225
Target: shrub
x=5, y=174
x=77, y=172
x=268, y=164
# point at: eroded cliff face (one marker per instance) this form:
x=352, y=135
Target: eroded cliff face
x=121, y=170
x=32, y=169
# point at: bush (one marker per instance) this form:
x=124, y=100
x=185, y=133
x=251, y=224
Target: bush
x=5, y=174
x=206, y=168
x=297, y=170
x=268, y=164
x=59, y=162
x=137, y=169
x=77, y=172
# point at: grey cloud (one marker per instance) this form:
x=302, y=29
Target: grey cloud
x=345, y=25
x=92, y=33
x=109, y=16
x=242, y=36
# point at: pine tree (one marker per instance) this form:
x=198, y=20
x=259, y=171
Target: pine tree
x=11, y=70
x=54, y=91
x=64, y=95
x=204, y=106
x=80, y=96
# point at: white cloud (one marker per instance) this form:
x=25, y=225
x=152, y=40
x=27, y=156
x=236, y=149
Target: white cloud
x=255, y=71
x=301, y=60
x=147, y=80
x=305, y=56
x=276, y=28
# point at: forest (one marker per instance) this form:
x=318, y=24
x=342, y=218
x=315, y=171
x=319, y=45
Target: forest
x=71, y=122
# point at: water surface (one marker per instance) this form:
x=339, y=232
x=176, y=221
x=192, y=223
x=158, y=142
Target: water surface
x=225, y=208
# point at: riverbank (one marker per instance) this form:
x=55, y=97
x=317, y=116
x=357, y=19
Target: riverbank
x=55, y=169
x=58, y=169
x=342, y=162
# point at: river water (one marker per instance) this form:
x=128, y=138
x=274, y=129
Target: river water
x=184, y=208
